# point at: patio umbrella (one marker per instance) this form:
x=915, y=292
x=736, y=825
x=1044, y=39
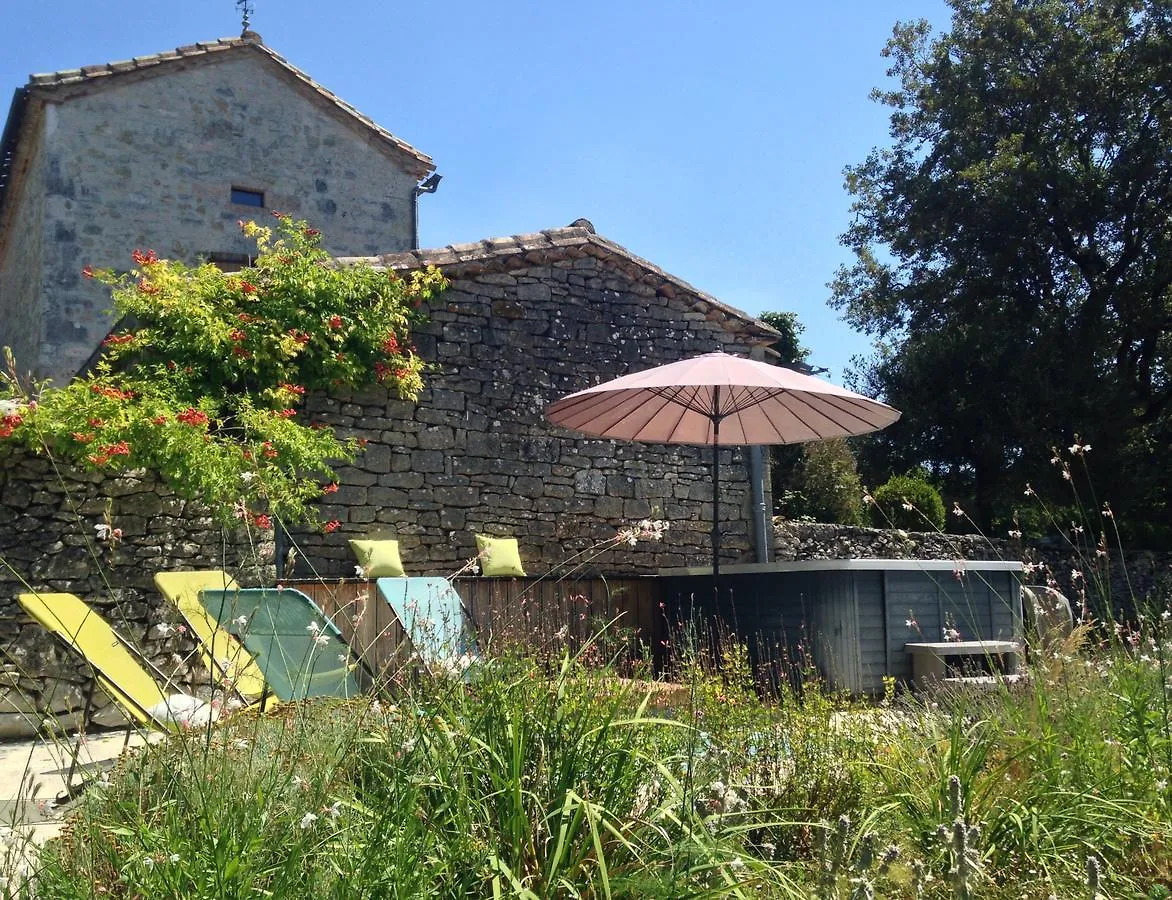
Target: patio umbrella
x=718, y=399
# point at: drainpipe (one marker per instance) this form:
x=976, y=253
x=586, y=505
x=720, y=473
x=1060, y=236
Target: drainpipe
x=760, y=513
x=757, y=475
x=427, y=186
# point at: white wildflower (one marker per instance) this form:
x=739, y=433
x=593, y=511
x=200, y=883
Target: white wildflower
x=307, y=821
x=246, y=477
x=334, y=810
x=164, y=629
x=240, y=621
x=174, y=858
x=103, y=531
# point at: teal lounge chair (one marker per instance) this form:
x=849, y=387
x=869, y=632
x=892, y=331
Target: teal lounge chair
x=432, y=614
x=299, y=650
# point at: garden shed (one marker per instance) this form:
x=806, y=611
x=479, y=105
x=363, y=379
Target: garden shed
x=852, y=618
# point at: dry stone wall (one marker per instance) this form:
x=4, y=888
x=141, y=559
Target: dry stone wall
x=49, y=543
x=476, y=455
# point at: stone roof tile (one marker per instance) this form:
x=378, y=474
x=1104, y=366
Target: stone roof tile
x=504, y=250
x=49, y=80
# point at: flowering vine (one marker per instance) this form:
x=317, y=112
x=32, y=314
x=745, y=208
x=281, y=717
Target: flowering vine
x=205, y=378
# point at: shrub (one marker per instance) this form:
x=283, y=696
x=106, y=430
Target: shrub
x=205, y=379
x=908, y=501
x=825, y=485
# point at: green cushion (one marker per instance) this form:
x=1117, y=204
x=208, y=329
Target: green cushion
x=379, y=559
x=498, y=556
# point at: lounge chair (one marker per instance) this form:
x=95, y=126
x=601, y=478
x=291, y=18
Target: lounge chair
x=433, y=615
x=221, y=651
x=298, y=649
x=118, y=670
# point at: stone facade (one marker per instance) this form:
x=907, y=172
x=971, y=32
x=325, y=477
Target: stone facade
x=527, y=320
x=146, y=154
x=21, y=257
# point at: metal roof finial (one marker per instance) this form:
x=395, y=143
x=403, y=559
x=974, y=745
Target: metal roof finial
x=246, y=11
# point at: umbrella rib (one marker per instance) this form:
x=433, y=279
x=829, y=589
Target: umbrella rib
x=683, y=410
x=856, y=410
x=804, y=420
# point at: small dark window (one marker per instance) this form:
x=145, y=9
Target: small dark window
x=230, y=262
x=245, y=197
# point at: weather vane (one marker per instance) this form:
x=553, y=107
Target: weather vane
x=246, y=10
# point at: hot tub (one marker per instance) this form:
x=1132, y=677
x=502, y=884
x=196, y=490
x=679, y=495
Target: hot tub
x=852, y=617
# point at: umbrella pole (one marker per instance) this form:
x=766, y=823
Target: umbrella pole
x=715, y=499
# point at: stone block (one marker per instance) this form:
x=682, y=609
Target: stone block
x=375, y=458
x=526, y=486
x=428, y=461
x=534, y=292
x=633, y=510
x=438, y=437
x=457, y=496
x=589, y=481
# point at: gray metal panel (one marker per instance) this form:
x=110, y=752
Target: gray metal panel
x=836, y=630
x=872, y=631
x=915, y=596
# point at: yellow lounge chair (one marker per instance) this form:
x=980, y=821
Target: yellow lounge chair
x=117, y=670
x=222, y=652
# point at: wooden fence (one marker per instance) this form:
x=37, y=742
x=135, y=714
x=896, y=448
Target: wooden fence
x=531, y=613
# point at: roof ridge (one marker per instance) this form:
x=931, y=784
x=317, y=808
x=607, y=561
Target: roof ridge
x=70, y=77
x=551, y=239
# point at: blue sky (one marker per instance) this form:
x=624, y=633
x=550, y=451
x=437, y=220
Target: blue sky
x=707, y=137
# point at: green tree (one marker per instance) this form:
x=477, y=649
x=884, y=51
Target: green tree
x=205, y=387
x=789, y=347
x=1013, y=250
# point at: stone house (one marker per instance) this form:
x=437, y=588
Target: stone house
x=170, y=151
x=98, y=161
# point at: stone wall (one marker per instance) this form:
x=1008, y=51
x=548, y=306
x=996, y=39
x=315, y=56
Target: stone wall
x=476, y=455
x=149, y=161
x=49, y=543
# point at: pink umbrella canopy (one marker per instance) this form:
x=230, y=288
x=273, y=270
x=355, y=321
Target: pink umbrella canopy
x=741, y=400
x=718, y=399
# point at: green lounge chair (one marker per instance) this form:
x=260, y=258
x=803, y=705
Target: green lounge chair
x=299, y=650
x=222, y=652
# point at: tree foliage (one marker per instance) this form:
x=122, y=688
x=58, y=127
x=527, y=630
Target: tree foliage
x=824, y=485
x=789, y=347
x=205, y=383
x=1013, y=249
